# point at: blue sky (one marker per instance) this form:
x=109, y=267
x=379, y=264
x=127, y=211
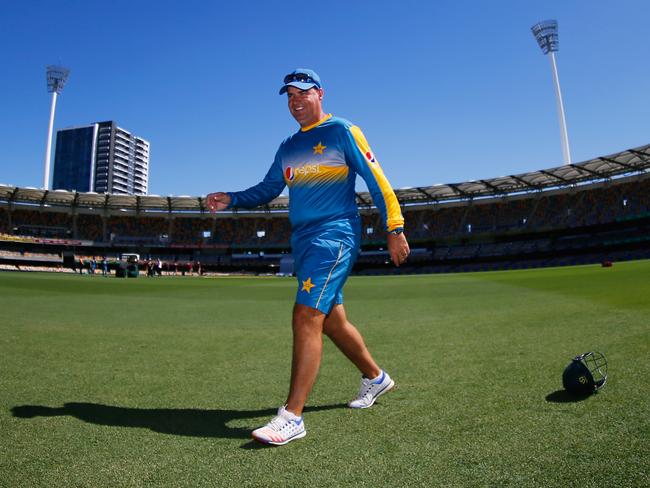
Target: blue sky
x=445, y=91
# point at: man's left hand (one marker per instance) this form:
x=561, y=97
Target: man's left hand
x=398, y=248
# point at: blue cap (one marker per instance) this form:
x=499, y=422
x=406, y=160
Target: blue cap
x=301, y=78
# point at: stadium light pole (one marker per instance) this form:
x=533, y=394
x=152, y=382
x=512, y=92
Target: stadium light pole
x=545, y=33
x=56, y=78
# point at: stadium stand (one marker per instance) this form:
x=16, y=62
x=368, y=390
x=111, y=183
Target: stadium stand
x=588, y=212
x=89, y=227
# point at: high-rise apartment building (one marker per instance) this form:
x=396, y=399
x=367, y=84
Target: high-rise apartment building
x=103, y=158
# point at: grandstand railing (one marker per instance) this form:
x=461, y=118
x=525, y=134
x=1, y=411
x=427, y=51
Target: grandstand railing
x=603, y=168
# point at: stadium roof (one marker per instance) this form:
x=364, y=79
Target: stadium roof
x=628, y=162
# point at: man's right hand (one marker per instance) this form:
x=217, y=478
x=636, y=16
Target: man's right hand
x=217, y=201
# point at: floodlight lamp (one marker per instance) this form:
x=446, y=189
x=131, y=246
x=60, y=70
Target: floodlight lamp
x=56, y=78
x=545, y=33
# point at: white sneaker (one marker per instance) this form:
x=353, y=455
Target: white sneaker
x=284, y=427
x=371, y=389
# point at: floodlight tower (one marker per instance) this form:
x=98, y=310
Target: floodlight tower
x=546, y=34
x=56, y=78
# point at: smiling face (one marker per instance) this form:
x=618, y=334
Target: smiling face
x=306, y=106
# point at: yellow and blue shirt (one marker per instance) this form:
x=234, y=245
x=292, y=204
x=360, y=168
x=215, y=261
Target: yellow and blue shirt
x=319, y=164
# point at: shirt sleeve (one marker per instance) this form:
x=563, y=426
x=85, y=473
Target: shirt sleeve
x=265, y=191
x=361, y=158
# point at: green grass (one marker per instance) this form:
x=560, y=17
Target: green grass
x=158, y=382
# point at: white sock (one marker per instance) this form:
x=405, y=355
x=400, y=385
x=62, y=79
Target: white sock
x=291, y=415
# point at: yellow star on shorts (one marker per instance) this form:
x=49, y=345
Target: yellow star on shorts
x=318, y=149
x=307, y=285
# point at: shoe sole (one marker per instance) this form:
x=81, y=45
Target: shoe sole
x=390, y=386
x=273, y=443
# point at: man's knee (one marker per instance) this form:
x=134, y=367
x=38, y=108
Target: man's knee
x=307, y=318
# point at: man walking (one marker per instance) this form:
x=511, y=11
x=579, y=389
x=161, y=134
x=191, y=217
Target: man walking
x=319, y=164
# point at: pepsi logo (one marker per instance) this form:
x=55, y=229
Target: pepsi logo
x=370, y=157
x=288, y=173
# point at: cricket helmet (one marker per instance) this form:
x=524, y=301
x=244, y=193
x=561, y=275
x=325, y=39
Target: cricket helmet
x=585, y=374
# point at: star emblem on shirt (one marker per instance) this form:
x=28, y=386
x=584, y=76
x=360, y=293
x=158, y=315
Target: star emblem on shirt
x=319, y=148
x=307, y=285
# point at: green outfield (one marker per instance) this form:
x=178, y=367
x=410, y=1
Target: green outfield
x=158, y=382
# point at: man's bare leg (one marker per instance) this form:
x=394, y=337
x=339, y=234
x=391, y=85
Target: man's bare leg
x=307, y=351
x=348, y=339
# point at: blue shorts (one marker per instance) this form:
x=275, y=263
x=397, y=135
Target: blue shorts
x=322, y=267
